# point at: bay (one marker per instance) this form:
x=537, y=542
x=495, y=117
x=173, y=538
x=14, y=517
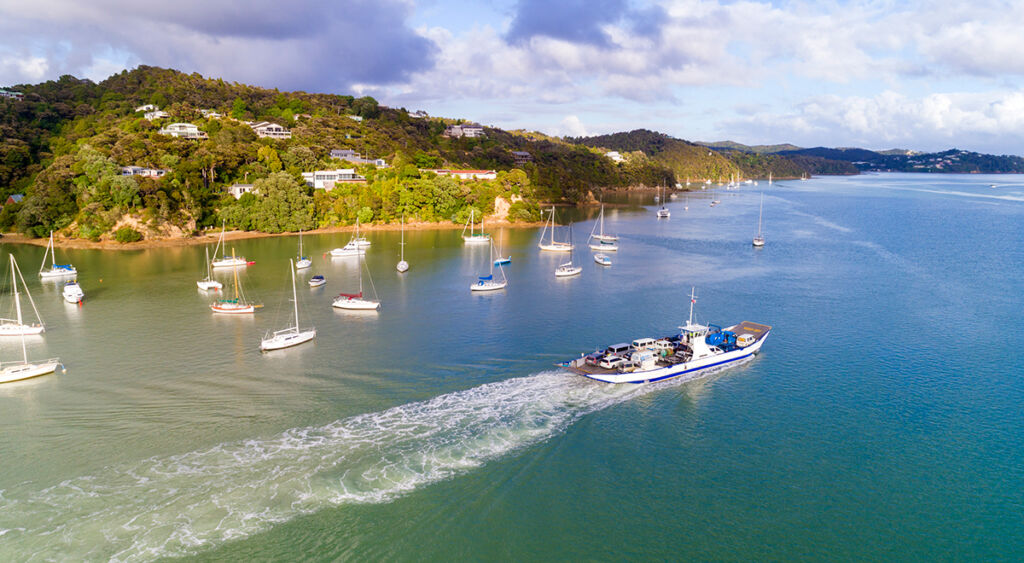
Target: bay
x=881, y=420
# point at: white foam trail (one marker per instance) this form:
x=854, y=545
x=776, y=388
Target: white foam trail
x=178, y=505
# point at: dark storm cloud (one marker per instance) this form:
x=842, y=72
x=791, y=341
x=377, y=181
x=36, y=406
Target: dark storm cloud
x=576, y=21
x=309, y=45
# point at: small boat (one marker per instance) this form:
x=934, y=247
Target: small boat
x=352, y=248
x=600, y=235
x=664, y=213
x=72, y=292
x=17, y=327
x=603, y=259
x=55, y=270
x=503, y=261
x=239, y=305
x=224, y=261
x=604, y=246
x=302, y=262
x=474, y=238
x=488, y=283
x=208, y=283
x=292, y=335
x=553, y=246
x=356, y=301
x=694, y=349
x=402, y=266
x=317, y=281
x=759, y=238
x=568, y=269
x=15, y=370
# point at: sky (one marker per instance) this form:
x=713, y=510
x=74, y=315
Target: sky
x=877, y=74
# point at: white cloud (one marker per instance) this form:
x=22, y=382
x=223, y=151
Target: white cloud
x=571, y=126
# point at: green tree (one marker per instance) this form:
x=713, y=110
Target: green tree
x=238, y=109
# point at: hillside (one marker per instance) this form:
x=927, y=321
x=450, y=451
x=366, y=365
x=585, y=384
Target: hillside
x=757, y=149
x=67, y=142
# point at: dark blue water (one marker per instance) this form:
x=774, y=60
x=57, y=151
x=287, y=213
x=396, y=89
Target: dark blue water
x=882, y=419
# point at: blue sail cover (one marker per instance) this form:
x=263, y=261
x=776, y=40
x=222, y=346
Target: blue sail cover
x=487, y=278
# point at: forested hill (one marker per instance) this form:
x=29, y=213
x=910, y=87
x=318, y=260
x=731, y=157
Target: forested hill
x=721, y=161
x=64, y=146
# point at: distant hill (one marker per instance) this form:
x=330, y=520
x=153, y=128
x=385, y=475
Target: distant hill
x=757, y=149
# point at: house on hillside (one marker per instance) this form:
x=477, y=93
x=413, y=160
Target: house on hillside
x=183, y=131
x=522, y=157
x=210, y=114
x=464, y=174
x=12, y=95
x=14, y=198
x=615, y=156
x=470, y=130
x=355, y=158
x=144, y=172
x=147, y=107
x=157, y=114
x=326, y=179
x=238, y=190
x=354, y=117
x=272, y=130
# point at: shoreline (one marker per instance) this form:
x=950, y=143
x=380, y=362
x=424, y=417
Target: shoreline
x=210, y=237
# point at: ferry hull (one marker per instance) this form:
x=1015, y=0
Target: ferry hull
x=659, y=374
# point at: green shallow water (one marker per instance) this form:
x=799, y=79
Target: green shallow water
x=882, y=419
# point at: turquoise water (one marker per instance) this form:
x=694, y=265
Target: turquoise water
x=881, y=421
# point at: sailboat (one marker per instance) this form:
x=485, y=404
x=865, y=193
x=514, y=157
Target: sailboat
x=759, y=239
x=488, y=283
x=604, y=242
x=402, y=266
x=769, y=178
x=302, y=262
x=208, y=282
x=72, y=292
x=55, y=270
x=477, y=238
x=686, y=202
x=15, y=327
x=237, y=305
x=664, y=213
x=292, y=335
x=353, y=248
x=602, y=259
x=502, y=259
x=356, y=300
x=553, y=246
x=16, y=371
x=568, y=268
x=224, y=261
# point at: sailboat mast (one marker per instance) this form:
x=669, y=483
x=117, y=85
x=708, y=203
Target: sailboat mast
x=234, y=270
x=17, y=308
x=295, y=295
x=759, y=213
x=403, y=238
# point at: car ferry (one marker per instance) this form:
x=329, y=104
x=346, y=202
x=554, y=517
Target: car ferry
x=697, y=347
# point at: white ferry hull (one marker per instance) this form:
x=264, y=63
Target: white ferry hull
x=691, y=367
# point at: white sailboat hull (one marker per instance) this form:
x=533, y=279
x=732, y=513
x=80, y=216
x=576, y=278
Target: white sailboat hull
x=488, y=286
x=207, y=285
x=232, y=308
x=58, y=272
x=556, y=247
x=303, y=264
x=346, y=251
x=568, y=271
x=286, y=339
x=355, y=304
x=21, y=371
x=12, y=328
x=602, y=260
x=609, y=238
x=402, y=266
x=605, y=246
x=476, y=239
x=229, y=263
x=317, y=282
x=758, y=241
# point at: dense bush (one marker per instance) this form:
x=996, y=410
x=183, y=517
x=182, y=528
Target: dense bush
x=127, y=234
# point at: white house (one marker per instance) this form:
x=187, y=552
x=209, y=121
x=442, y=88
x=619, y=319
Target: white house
x=326, y=179
x=354, y=117
x=615, y=156
x=156, y=114
x=147, y=107
x=355, y=158
x=184, y=131
x=144, y=172
x=272, y=130
x=12, y=95
x=465, y=130
x=465, y=174
x=238, y=190
x=210, y=114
